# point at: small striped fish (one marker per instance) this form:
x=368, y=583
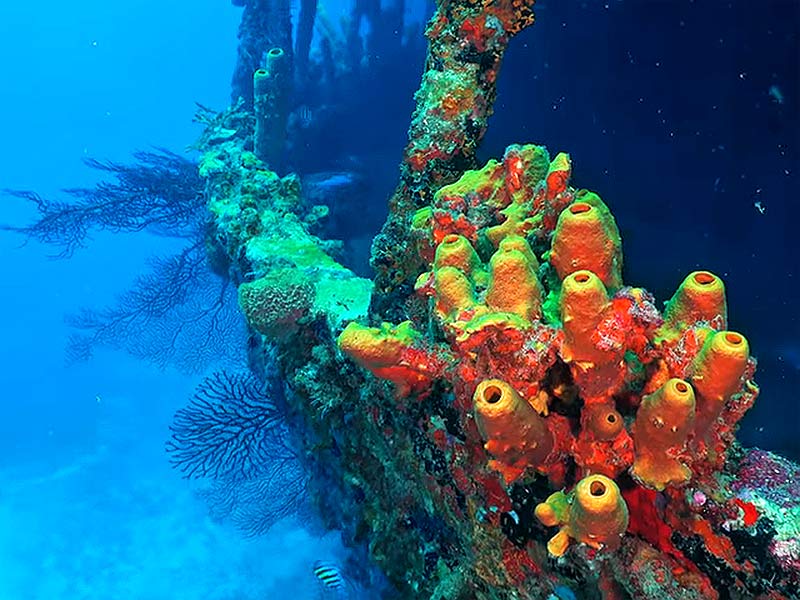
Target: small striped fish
x=305, y=116
x=331, y=579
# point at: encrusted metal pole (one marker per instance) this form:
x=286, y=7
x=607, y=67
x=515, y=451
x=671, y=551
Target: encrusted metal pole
x=466, y=43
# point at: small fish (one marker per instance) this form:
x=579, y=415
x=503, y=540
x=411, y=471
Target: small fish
x=331, y=579
x=760, y=207
x=305, y=116
x=776, y=94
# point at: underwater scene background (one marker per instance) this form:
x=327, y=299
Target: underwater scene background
x=157, y=444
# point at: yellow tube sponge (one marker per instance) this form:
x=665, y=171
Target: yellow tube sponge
x=593, y=513
x=454, y=292
x=586, y=237
x=716, y=374
x=513, y=432
x=663, y=422
x=513, y=285
x=517, y=242
x=700, y=298
x=583, y=300
x=390, y=352
x=456, y=251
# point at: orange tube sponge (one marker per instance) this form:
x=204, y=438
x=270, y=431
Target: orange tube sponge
x=593, y=513
x=456, y=251
x=517, y=242
x=513, y=286
x=663, y=422
x=454, y=292
x=583, y=300
x=700, y=298
x=716, y=374
x=603, y=445
x=586, y=237
x=604, y=421
x=391, y=352
x=513, y=432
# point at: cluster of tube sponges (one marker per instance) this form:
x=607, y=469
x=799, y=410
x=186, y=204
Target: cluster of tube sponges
x=527, y=346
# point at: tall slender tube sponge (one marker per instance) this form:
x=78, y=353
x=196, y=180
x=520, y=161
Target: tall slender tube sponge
x=663, y=422
x=583, y=300
x=587, y=238
x=513, y=432
x=271, y=88
x=598, y=371
x=700, y=298
x=513, y=285
x=716, y=375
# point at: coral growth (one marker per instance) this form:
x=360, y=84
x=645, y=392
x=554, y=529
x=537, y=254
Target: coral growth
x=227, y=430
x=535, y=427
x=159, y=191
x=262, y=228
x=557, y=368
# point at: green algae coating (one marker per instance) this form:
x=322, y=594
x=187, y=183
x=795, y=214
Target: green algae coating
x=212, y=163
x=537, y=159
x=496, y=319
x=422, y=218
x=551, y=309
x=559, y=502
x=474, y=181
x=300, y=252
x=342, y=299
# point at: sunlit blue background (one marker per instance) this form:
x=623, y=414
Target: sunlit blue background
x=89, y=506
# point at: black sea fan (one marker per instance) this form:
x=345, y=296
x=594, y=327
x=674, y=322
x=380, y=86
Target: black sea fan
x=160, y=191
x=229, y=430
x=182, y=312
x=233, y=437
x=255, y=505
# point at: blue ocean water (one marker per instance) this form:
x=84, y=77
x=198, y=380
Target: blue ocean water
x=89, y=505
x=683, y=115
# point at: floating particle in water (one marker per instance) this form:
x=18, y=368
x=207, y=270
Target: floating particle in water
x=760, y=207
x=776, y=94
